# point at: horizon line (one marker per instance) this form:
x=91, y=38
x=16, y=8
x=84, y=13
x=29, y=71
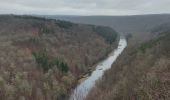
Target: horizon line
x=85, y=15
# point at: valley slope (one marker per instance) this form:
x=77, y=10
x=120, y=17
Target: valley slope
x=142, y=72
x=42, y=59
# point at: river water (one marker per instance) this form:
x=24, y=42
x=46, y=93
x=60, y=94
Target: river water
x=83, y=89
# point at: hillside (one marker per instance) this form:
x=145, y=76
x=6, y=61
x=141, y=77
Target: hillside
x=42, y=59
x=122, y=24
x=142, y=72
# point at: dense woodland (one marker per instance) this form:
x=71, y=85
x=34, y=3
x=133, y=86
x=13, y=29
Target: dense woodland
x=142, y=72
x=42, y=59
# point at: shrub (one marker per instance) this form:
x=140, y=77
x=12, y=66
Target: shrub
x=45, y=63
x=42, y=59
x=61, y=65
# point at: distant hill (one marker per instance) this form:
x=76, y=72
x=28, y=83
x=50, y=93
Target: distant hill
x=163, y=28
x=42, y=59
x=124, y=24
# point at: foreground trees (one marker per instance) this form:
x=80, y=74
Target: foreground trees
x=42, y=59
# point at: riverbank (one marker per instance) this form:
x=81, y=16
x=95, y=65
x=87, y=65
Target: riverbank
x=140, y=73
x=84, y=76
x=91, y=69
x=84, y=87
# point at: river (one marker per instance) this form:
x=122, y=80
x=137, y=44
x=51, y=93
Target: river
x=83, y=88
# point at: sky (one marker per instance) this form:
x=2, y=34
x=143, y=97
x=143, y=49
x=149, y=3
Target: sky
x=84, y=7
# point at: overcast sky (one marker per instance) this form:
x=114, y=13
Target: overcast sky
x=84, y=7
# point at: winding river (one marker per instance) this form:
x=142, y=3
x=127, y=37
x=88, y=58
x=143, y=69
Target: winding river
x=82, y=89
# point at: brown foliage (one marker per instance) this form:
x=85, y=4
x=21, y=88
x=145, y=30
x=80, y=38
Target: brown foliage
x=138, y=75
x=21, y=79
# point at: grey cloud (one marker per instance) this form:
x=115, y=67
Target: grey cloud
x=85, y=7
